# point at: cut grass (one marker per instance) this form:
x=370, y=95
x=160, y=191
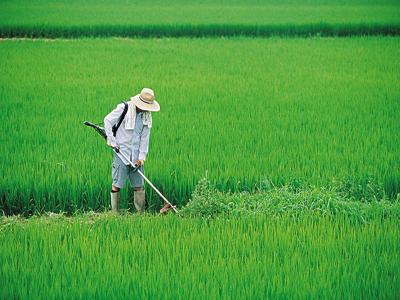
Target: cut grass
x=207, y=202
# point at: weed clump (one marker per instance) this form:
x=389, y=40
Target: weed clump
x=207, y=202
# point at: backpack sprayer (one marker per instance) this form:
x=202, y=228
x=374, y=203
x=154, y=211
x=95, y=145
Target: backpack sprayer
x=101, y=131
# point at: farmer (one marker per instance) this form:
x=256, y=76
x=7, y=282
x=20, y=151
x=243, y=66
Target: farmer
x=132, y=139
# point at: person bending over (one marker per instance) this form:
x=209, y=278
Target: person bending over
x=128, y=129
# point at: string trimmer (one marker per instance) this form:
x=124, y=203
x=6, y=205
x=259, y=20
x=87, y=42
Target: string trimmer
x=101, y=131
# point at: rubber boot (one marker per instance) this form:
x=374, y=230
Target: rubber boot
x=139, y=200
x=114, y=201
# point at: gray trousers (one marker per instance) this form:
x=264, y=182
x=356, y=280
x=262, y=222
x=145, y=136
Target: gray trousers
x=121, y=172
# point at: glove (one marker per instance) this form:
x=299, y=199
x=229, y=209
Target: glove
x=112, y=144
x=139, y=162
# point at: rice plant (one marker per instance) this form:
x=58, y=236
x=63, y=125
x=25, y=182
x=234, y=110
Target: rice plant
x=120, y=257
x=177, y=18
x=321, y=112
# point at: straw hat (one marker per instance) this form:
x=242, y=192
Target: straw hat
x=146, y=100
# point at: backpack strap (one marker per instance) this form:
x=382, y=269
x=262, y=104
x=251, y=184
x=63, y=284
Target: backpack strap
x=121, y=118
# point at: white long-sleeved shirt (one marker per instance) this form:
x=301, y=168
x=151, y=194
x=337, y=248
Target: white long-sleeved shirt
x=134, y=143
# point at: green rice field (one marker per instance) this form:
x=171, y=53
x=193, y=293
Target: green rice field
x=320, y=112
x=46, y=18
x=278, y=141
x=123, y=257
x=145, y=12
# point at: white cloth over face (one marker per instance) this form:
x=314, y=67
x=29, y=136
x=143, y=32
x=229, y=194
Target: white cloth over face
x=133, y=135
x=131, y=116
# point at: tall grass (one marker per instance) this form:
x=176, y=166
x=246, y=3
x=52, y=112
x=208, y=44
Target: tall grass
x=304, y=112
x=173, y=258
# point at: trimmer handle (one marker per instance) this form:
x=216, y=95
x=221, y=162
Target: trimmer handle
x=120, y=154
x=136, y=168
x=102, y=132
x=116, y=149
